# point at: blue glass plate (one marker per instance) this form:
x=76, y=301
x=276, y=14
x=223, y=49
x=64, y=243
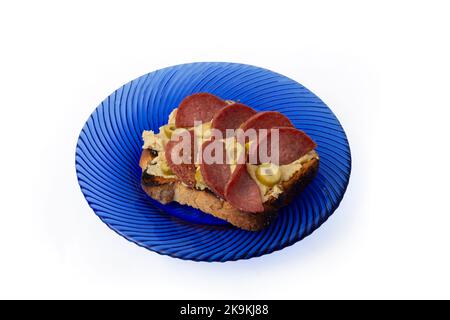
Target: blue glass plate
x=109, y=147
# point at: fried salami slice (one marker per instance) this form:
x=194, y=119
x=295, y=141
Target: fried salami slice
x=179, y=153
x=215, y=171
x=266, y=120
x=292, y=145
x=243, y=192
x=231, y=117
x=197, y=107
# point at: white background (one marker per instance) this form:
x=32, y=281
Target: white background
x=382, y=66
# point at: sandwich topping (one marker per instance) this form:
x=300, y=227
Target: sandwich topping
x=202, y=147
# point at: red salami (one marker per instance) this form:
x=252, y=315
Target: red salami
x=266, y=120
x=231, y=117
x=185, y=170
x=197, y=107
x=217, y=173
x=242, y=192
x=292, y=144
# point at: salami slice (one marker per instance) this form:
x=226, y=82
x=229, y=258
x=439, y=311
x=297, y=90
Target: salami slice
x=231, y=117
x=185, y=170
x=292, y=145
x=197, y=107
x=266, y=120
x=215, y=173
x=242, y=192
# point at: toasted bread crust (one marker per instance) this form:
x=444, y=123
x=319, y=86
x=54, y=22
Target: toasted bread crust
x=167, y=190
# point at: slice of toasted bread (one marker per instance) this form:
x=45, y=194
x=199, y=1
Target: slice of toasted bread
x=166, y=190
